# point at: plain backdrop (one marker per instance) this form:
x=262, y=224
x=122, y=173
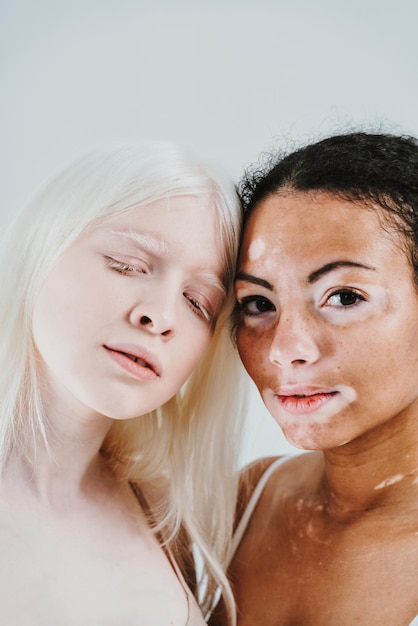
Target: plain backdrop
x=231, y=79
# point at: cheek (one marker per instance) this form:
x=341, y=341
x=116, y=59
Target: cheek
x=199, y=346
x=64, y=306
x=52, y=330
x=253, y=352
x=190, y=349
x=50, y=311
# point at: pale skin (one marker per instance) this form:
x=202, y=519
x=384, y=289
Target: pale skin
x=329, y=311
x=75, y=546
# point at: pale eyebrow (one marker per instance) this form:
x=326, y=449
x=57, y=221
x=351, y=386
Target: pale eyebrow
x=248, y=278
x=146, y=241
x=212, y=280
x=159, y=247
x=330, y=267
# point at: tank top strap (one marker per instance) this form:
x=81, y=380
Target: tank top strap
x=252, y=503
x=194, y=614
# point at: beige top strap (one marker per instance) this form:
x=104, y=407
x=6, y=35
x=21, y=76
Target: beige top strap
x=194, y=614
x=252, y=503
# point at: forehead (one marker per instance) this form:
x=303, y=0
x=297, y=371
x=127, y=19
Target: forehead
x=309, y=224
x=167, y=217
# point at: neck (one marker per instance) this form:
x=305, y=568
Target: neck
x=378, y=470
x=71, y=465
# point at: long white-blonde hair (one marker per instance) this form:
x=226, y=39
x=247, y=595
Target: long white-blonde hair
x=191, y=443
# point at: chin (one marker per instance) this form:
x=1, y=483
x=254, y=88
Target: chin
x=309, y=436
x=303, y=444
x=123, y=415
x=315, y=443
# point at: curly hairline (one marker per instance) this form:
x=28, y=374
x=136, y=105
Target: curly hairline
x=371, y=169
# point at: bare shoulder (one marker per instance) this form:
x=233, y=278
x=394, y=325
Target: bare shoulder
x=249, y=479
x=251, y=473
x=293, y=478
x=253, y=535
x=291, y=469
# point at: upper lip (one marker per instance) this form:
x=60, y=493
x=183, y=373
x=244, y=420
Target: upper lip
x=303, y=390
x=138, y=352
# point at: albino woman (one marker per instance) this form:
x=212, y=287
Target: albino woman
x=113, y=454
x=327, y=291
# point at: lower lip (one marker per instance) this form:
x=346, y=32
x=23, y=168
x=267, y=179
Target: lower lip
x=132, y=367
x=299, y=405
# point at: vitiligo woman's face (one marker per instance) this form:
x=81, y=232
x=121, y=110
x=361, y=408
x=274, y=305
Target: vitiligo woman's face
x=329, y=318
x=128, y=311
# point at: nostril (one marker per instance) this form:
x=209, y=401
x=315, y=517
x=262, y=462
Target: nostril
x=145, y=320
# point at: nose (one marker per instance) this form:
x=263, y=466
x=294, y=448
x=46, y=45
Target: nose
x=158, y=318
x=293, y=343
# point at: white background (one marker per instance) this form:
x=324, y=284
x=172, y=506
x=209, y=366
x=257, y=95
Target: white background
x=229, y=78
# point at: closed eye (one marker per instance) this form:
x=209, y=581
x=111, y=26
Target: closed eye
x=198, y=308
x=123, y=268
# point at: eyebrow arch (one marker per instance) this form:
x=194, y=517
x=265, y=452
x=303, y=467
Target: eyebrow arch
x=212, y=281
x=160, y=248
x=248, y=278
x=150, y=243
x=330, y=267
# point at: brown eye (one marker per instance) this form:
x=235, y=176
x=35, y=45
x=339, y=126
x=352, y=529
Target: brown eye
x=345, y=298
x=348, y=298
x=255, y=305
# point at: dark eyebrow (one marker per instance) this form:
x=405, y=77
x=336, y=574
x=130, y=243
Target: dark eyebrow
x=329, y=267
x=254, y=280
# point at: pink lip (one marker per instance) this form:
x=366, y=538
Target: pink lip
x=302, y=400
x=146, y=368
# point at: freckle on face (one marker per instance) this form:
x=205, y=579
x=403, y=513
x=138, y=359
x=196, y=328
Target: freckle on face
x=300, y=234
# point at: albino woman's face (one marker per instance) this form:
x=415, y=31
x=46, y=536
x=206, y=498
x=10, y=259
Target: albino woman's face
x=328, y=324
x=129, y=309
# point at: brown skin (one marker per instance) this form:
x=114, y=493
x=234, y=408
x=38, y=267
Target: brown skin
x=334, y=538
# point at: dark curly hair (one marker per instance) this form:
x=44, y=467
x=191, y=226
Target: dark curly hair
x=374, y=169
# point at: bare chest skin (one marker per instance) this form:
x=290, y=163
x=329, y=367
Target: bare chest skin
x=298, y=565
x=89, y=564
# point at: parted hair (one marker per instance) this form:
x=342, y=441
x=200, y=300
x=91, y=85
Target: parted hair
x=190, y=444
